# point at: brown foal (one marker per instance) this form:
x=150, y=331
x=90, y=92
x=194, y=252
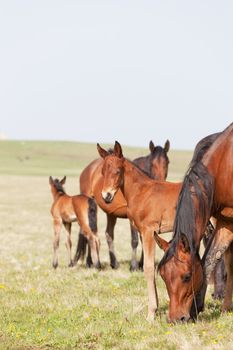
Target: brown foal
x=67, y=209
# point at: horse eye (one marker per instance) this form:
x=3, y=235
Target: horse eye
x=186, y=277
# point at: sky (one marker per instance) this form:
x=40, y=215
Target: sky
x=126, y=70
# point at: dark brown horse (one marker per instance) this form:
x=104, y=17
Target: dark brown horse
x=207, y=191
x=91, y=183
x=67, y=209
x=151, y=206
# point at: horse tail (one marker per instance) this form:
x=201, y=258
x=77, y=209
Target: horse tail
x=81, y=247
x=82, y=239
x=92, y=215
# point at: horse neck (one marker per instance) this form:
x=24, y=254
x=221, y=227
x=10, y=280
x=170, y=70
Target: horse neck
x=132, y=176
x=55, y=193
x=142, y=163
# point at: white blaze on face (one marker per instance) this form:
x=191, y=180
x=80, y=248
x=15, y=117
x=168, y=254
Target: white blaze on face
x=108, y=194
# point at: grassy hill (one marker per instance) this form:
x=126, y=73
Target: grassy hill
x=69, y=158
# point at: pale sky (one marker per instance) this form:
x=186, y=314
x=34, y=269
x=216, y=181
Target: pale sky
x=100, y=71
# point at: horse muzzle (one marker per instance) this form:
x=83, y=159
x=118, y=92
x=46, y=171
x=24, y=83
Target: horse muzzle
x=107, y=196
x=180, y=319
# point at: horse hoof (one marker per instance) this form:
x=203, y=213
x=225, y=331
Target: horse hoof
x=98, y=266
x=227, y=308
x=134, y=266
x=218, y=296
x=55, y=265
x=88, y=264
x=71, y=264
x=115, y=265
x=150, y=318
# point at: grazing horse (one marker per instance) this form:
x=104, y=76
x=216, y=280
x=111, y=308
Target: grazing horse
x=151, y=206
x=206, y=191
x=91, y=183
x=67, y=209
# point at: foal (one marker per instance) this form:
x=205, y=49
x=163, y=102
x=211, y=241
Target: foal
x=151, y=207
x=67, y=209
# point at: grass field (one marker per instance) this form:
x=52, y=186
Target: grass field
x=76, y=308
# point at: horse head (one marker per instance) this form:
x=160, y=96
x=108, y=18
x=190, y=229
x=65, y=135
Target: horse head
x=112, y=171
x=158, y=161
x=183, y=277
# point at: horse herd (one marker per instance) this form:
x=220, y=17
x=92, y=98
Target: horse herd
x=138, y=190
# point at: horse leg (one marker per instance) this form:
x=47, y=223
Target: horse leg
x=94, y=244
x=111, y=222
x=228, y=258
x=134, y=245
x=219, y=273
x=221, y=241
x=219, y=280
x=89, y=261
x=68, y=242
x=149, y=272
x=57, y=230
x=140, y=264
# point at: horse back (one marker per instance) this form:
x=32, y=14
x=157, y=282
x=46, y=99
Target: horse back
x=62, y=209
x=220, y=165
x=87, y=176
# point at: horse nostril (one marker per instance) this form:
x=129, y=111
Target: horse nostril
x=183, y=319
x=108, y=197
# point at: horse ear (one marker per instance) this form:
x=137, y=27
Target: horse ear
x=151, y=146
x=164, y=245
x=184, y=244
x=167, y=146
x=102, y=152
x=50, y=180
x=118, y=149
x=62, y=182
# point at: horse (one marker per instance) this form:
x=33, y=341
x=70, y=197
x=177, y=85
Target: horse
x=91, y=181
x=206, y=192
x=67, y=209
x=151, y=206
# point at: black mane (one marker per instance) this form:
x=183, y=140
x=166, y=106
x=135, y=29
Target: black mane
x=141, y=169
x=197, y=181
x=58, y=186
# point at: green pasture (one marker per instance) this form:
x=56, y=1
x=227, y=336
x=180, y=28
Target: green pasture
x=79, y=308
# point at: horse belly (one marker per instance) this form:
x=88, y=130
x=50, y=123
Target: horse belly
x=69, y=217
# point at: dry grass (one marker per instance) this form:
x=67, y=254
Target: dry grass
x=78, y=308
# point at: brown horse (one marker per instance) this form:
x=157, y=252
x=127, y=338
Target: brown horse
x=151, y=206
x=91, y=183
x=206, y=192
x=67, y=209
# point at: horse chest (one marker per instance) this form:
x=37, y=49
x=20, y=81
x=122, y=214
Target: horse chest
x=131, y=219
